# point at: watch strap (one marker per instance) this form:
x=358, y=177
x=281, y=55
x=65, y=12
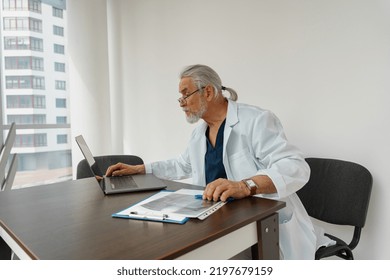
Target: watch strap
x=251, y=185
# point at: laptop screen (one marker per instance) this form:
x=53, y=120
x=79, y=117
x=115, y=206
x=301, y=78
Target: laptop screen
x=88, y=155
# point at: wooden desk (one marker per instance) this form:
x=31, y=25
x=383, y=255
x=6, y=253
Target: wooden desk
x=72, y=220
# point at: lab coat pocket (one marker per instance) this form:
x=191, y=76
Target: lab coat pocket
x=293, y=240
x=242, y=165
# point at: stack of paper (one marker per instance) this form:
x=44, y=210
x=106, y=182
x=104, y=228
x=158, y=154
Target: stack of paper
x=171, y=207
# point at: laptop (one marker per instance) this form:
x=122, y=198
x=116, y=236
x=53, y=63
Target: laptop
x=119, y=184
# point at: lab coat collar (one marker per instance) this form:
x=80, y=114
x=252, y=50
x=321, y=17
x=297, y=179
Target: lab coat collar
x=232, y=113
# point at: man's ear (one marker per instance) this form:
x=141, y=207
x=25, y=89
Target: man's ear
x=209, y=92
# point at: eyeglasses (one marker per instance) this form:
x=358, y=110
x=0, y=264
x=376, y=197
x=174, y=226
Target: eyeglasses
x=182, y=100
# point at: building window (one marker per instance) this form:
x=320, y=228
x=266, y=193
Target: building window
x=15, y=5
x=24, y=62
x=22, y=23
x=60, y=103
x=58, y=12
x=34, y=6
x=39, y=101
x=22, y=5
x=16, y=43
x=21, y=82
x=18, y=62
x=18, y=82
x=59, y=49
x=26, y=101
x=15, y=23
x=38, y=82
x=59, y=67
x=61, y=85
x=35, y=25
x=57, y=30
x=27, y=119
x=29, y=62
x=62, y=139
x=62, y=120
x=23, y=43
x=31, y=140
x=37, y=63
x=36, y=44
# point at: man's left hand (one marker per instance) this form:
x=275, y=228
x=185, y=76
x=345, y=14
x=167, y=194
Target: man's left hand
x=222, y=189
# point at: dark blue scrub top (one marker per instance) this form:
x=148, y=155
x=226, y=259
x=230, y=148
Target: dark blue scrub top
x=214, y=168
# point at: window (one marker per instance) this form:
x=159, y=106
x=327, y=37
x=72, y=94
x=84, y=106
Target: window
x=16, y=43
x=35, y=25
x=57, y=30
x=21, y=82
x=59, y=67
x=31, y=140
x=37, y=63
x=59, y=49
x=24, y=62
x=18, y=62
x=27, y=119
x=36, y=44
x=62, y=139
x=38, y=82
x=57, y=12
x=26, y=101
x=23, y=43
x=22, y=23
x=60, y=102
x=61, y=85
x=15, y=23
x=39, y=101
x=18, y=82
x=35, y=6
x=62, y=120
x=22, y=5
x=34, y=86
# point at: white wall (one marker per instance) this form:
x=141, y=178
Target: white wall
x=88, y=73
x=321, y=66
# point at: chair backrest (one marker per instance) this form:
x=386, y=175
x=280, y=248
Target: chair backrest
x=84, y=171
x=338, y=191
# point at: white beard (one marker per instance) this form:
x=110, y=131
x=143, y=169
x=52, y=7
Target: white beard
x=194, y=117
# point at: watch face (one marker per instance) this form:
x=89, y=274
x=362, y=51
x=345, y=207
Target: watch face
x=251, y=183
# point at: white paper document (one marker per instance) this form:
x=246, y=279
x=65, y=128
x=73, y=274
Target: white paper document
x=174, y=207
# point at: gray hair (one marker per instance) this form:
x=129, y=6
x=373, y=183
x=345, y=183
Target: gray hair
x=204, y=75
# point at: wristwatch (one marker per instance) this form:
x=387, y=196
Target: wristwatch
x=252, y=186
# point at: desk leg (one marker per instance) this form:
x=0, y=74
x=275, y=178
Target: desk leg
x=267, y=247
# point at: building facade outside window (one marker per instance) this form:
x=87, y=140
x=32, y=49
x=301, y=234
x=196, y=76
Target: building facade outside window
x=33, y=89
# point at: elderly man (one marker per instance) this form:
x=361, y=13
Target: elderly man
x=237, y=151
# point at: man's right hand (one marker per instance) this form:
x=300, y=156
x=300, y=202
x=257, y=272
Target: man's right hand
x=121, y=169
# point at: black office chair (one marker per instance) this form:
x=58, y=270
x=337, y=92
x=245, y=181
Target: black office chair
x=84, y=171
x=338, y=192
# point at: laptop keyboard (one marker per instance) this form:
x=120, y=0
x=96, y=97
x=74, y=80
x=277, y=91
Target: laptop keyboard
x=122, y=182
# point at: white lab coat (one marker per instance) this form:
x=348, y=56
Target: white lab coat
x=254, y=144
